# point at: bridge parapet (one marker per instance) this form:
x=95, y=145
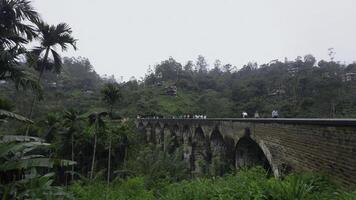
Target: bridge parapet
x=302, y=121
x=280, y=145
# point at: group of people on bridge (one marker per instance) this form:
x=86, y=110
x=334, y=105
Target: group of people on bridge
x=188, y=116
x=244, y=114
x=275, y=114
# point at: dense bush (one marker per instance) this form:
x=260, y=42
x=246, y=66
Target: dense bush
x=248, y=184
x=132, y=189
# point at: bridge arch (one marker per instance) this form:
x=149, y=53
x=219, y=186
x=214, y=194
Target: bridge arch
x=248, y=153
x=178, y=134
x=170, y=138
x=187, y=135
x=142, y=130
x=187, y=146
x=218, y=151
x=150, y=133
x=159, y=134
x=199, y=152
x=141, y=127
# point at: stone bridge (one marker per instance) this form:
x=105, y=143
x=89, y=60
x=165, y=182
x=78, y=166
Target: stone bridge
x=326, y=146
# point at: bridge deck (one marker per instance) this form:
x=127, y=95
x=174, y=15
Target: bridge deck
x=307, y=121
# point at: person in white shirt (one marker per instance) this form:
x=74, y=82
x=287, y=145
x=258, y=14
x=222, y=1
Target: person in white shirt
x=274, y=114
x=257, y=115
x=244, y=114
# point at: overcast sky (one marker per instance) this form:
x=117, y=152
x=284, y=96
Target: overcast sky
x=124, y=37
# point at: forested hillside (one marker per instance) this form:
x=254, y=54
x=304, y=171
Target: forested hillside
x=300, y=88
x=77, y=85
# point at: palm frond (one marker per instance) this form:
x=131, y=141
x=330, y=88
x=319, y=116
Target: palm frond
x=14, y=18
x=111, y=93
x=19, y=138
x=8, y=114
x=20, y=149
x=57, y=61
x=34, y=162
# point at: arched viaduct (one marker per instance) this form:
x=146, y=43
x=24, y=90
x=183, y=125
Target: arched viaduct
x=327, y=146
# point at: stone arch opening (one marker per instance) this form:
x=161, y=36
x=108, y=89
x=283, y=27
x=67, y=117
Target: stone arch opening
x=219, y=162
x=187, y=135
x=199, y=152
x=249, y=154
x=150, y=134
x=187, y=147
x=178, y=135
x=142, y=132
x=170, y=139
x=159, y=134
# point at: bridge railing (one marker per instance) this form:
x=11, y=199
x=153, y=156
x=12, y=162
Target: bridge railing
x=306, y=121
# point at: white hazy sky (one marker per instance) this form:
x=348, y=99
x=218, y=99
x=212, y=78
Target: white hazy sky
x=124, y=37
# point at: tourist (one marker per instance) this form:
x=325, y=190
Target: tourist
x=244, y=114
x=274, y=114
x=257, y=115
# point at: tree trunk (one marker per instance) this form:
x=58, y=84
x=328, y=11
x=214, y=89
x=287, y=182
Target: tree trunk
x=38, y=82
x=109, y=162
x=72, y=155
x=93, y=159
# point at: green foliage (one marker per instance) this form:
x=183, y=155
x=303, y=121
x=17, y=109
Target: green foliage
x=158, y=167
x=8, y=114
x=294, y=88
x=247, y=184
x=110, y=95
x=40, y=187
x=21, y=159
x=131, y=189
x=17, y=19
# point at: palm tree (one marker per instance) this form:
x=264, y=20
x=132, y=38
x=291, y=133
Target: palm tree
x=111, y=95
x=71, y=119
x=52, y=122
x=16, y=29
x=44, y=57
x=97, y=125
x=14, y=17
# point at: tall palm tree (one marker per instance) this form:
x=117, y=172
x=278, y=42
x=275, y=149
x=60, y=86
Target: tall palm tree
x=71, y=119
x=52, y=122
x=17, y=19
x=44, y=57
x=14, y=17
x=110, y=95
x=97, y=125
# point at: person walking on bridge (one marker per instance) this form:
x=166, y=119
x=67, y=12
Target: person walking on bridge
x=244, y=114
x=274, y=114
x=257, y=115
